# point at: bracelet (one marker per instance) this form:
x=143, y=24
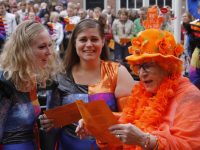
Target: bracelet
x=147, y=141
x=157, y=144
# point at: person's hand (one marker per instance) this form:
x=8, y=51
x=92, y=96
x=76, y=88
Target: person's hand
x=81, y=130
x=46, y=124
x=17, y=15
x=44, y=6
x=129, y=134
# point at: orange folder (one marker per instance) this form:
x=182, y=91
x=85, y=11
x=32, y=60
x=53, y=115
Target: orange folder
x=64, y=115
x=96, y=115
x=124, y=40
x=69, y=27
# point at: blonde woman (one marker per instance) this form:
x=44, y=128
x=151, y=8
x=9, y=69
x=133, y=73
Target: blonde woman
x=58, y=35
x=28, y=59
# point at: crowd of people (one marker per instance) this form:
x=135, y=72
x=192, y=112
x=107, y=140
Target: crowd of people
x=38, y=50
x=126, y=24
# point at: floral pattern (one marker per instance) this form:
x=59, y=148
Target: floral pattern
x=163, y=45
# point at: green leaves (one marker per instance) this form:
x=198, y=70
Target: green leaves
x=145, y=41
x=156, y=49
x=161, y=35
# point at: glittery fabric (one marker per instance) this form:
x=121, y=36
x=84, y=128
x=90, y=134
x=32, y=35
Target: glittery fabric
x=194, y=71
x=68, y=91
x=18, y=116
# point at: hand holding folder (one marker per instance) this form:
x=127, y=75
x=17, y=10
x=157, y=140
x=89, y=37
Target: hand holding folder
x=96, y=115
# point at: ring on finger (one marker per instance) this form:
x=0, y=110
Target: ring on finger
x=117, y=136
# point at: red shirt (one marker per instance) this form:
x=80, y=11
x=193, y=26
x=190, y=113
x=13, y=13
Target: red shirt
x=36, y=18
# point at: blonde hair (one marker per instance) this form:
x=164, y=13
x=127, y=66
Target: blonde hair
x=19, y=62
x=53, y=14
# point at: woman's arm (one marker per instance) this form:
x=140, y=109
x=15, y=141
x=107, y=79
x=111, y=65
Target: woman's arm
x=125, y=83
x=5, y=104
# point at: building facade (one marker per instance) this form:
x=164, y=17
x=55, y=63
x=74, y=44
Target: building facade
x=129, y=4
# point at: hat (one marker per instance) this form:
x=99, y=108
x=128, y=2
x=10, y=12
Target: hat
x=154, y=44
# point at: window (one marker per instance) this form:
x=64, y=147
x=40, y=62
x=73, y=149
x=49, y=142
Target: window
x=136, y=4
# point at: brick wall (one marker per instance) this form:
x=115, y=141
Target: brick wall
x=112, y=3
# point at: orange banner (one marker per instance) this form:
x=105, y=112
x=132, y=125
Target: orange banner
x=69, y=27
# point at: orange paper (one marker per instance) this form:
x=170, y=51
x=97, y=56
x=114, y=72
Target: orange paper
x=64, y=115
x=69, y=27
x=98, y=117
x=124, y=40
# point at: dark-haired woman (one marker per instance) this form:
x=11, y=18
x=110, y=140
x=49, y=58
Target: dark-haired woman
x=89, y=76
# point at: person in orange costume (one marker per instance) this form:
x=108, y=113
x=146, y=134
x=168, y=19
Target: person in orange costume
x=163, y=112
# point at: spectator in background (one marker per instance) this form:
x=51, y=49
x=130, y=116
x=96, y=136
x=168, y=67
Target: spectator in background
x=27, y=3
x=109, y=21
x=168, y=15
x=91, y=14
x=18, y=5
x=75, y=10
x=138, y=23
x=32, y=9
x=13, y=10
x=122, y=28
x=43, y=10
x=10, y=20
x=97, y=12
x=60, y=8
x=7, y=5
x=186, y=18
x=70, y=4
x=22, y=12
x=107, y=31
x=57, y=37
x=31, y=16
x=46, y=18
x=82, y=14
x=109, y=8
x=132, y=15
x=78, y=5
x=37, y=10
x=165, y=26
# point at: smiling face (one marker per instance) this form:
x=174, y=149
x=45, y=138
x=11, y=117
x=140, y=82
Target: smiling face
x=41, y=48
x=89, y=44
x=123, y=16
x=153, y=79
x=31, y=16
x=185, y=18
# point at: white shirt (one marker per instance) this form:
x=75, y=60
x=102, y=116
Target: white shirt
x=59, y=34
x=22, y=14
x=64, y=13
x=74, y=19
x=11, y=24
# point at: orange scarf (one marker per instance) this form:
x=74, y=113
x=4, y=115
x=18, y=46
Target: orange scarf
x=145, y=110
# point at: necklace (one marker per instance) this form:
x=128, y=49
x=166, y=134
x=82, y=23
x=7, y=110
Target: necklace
x=146, y=110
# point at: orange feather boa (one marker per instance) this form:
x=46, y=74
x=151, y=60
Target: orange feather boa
x=145, y=110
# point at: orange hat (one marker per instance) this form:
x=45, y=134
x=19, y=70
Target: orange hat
x=154, y=45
